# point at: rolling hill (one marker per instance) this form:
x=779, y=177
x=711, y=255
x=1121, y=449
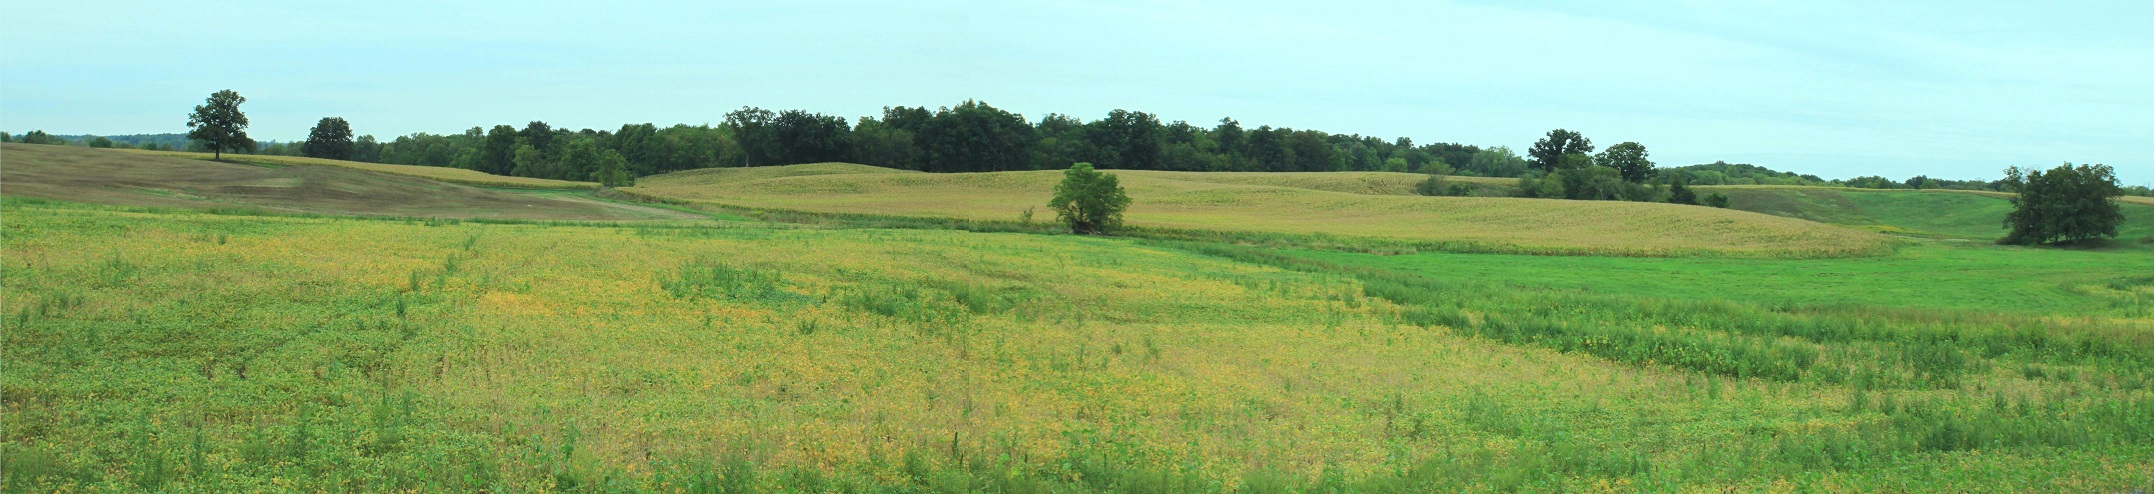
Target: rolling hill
x=1929, y=213
x=143, y=179
x=1280, y=204
x=444, y=174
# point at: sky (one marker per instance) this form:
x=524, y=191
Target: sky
x=1948, y=89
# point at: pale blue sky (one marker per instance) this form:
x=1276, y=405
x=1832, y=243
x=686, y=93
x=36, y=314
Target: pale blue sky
x=1954, y=89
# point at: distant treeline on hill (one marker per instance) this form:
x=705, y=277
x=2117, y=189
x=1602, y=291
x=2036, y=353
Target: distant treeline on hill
x=970, y=137
x=169, y=142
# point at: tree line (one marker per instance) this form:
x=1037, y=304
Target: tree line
x=975, y=136
x=969, y=137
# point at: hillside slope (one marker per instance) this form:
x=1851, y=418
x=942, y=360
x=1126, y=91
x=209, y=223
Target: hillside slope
x=1932, y=213
x=137, y=179
x=437, y=173
x=1239, y=203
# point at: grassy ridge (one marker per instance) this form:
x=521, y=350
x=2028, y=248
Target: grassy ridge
x=450, y=175
x=1168, y=201
x=78, y=174
x=1932, y=213
x=189, y=352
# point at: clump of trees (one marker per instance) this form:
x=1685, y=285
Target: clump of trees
x=2066, y=204
x=1564, y=167
x=1088, y=201
x=219, y=124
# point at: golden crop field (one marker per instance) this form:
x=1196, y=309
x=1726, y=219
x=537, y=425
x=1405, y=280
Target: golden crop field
x=1287, y=203
x=445, y=174
x=214, y=353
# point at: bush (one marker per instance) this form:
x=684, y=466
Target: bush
x=1681, y=194
x=1600, y=183
x=1089, y=202
x=1534, y=185
x=1437, y=186
x=1716, y=199
x=1433, y=186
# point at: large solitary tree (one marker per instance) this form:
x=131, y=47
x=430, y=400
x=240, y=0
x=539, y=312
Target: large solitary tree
x=1089, y=202
x=219, y=124
x=1549, y=153
x=331, y=138
x=2065, y=204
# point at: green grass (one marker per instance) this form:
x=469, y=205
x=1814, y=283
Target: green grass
x=174, y=350
x=118, y=177
x=1279, y=206
x=1930, y=213
x=443, y=174
x=161, y=348
x=1930, y=275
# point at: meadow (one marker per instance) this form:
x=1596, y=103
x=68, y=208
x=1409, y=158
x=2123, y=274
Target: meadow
x=1276, y=204
x=1951, y=214
x=191, y=349
x=1933, y=275
x=192, y=352
x=444, y=174
x=154, y=180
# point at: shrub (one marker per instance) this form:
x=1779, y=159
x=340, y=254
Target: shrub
x=1534, y=185
x=1433, y=186
x=1681, y=194
x=1716, y=199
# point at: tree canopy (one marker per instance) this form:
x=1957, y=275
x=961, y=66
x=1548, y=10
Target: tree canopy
x=2063, y=205
x=331, y=138
x=219, y=124
x=1550, y=153
x=1089, y=201
x=1628, y=159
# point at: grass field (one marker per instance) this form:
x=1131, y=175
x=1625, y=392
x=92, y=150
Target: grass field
x=1254, y=203
x=1931, y=276
x=190, y=352
x=139, y=179
x=1931, y=213
x=194, y=348
x=444, y=174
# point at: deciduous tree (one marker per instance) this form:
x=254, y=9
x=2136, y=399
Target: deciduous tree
x=331, y=138
x=1549, y=152
x=499, y=154
x=1681, y=194
x=219, y=125
x=1628, y=159
x=1089, y=201
x=2063, y=205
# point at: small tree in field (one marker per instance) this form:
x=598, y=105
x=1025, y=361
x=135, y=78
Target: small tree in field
x=1088, y=201
x=219, y=125
x=2066, y=204
x=612, y=170
x=1681, y=194
x=331, y=138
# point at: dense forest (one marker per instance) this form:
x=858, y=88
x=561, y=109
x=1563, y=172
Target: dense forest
x=971, y=136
